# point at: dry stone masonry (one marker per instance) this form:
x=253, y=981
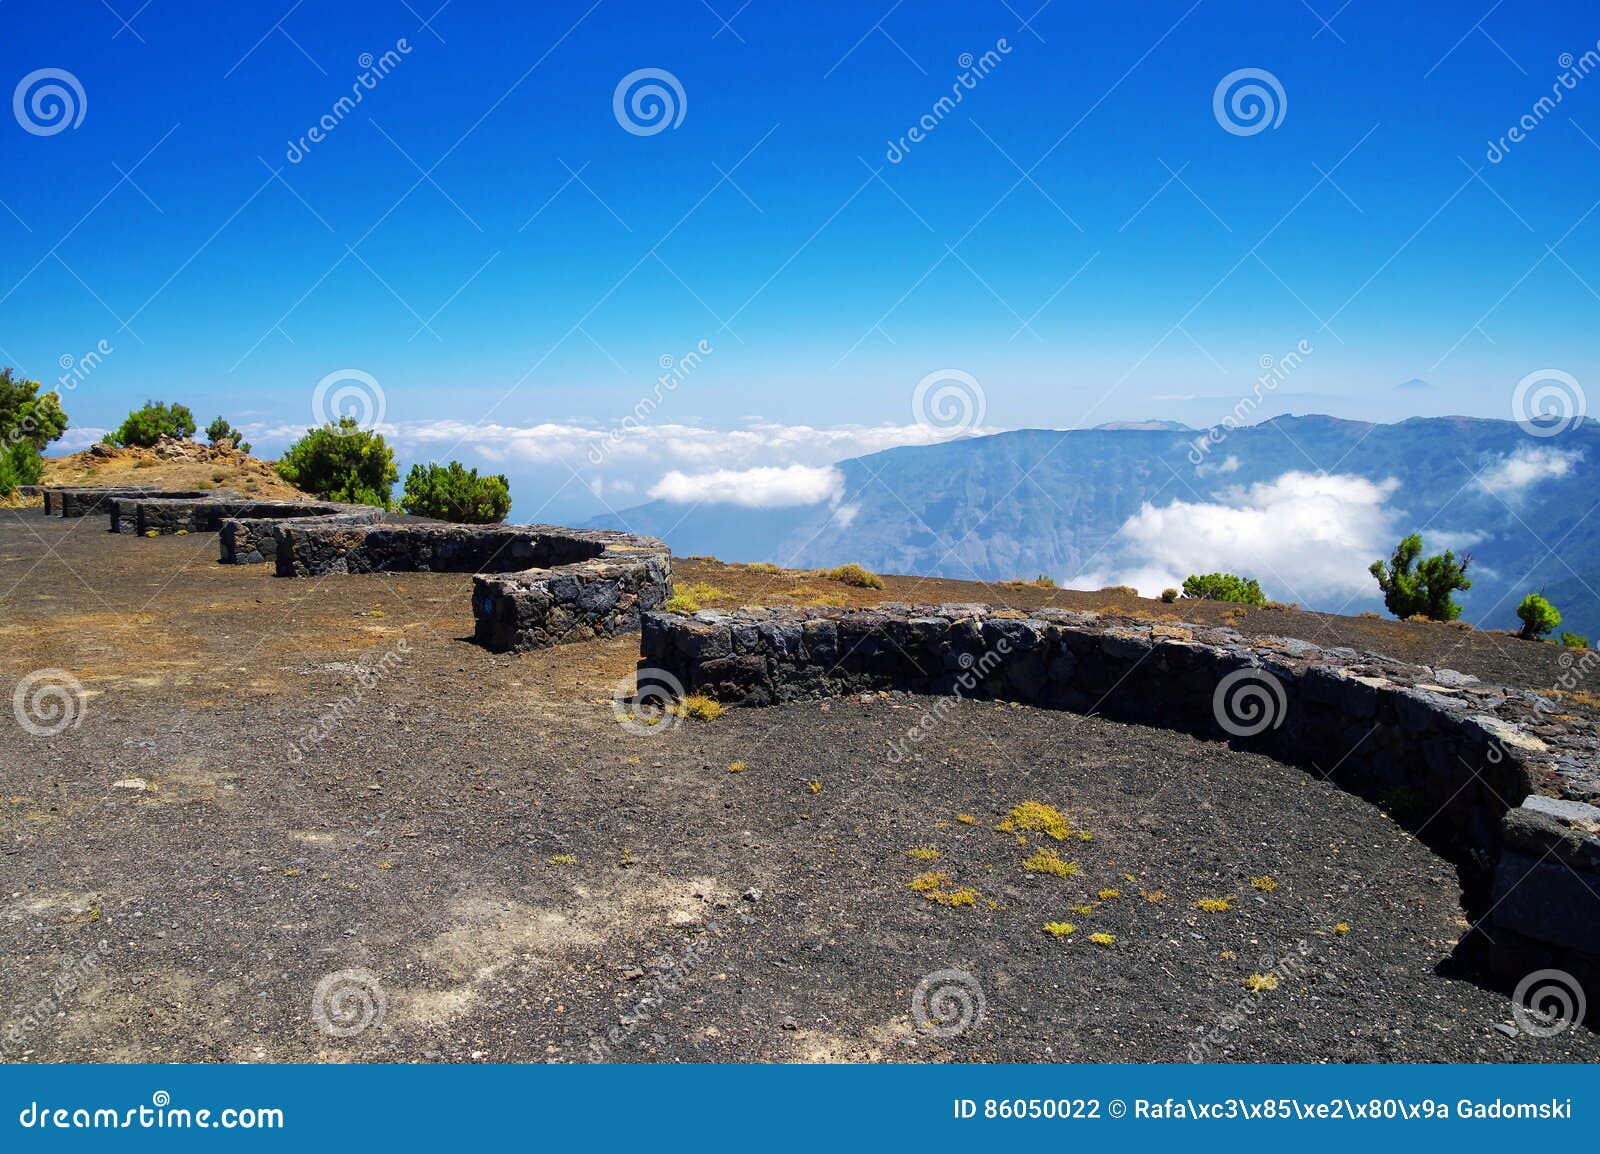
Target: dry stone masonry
x=81, y=501
x=1502, y=780
x=245, y=525
x=535, y=585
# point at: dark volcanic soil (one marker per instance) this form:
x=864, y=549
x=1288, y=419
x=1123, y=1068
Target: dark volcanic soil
x=520, y=874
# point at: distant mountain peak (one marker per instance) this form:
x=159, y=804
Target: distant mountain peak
x=1414, y=385
x=1153, y=425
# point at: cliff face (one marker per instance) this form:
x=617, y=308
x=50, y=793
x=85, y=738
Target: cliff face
x=1060, y=503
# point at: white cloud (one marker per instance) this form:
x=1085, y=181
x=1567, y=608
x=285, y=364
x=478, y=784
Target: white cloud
x=1452, y=541
x=628, y=445
x=1529, y=465
x=600, y=487
x=1304, y=537
x=1229, y=465
x=760, y=463
x=759, y=488
x=758, y=441
x=75, y=440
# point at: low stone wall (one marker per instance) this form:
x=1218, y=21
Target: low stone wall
x=596, y=598
x=1498, y=778
x=215, y=513
x=312, y=549
x=81, y=501
x=537, y=585
x=251, y=537
x=1546, y=896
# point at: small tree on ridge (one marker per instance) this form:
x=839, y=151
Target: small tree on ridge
x=1538, y=617
x=1421, y=588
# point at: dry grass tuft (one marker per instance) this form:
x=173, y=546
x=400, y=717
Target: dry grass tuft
x=699, y=707
x=1037, y=817
x=855, y=575
x=1047, y=861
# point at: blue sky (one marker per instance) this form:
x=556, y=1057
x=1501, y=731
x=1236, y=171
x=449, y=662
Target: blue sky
x=1081, y=235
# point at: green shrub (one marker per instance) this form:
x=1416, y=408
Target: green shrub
x=26, y=416
x=342, y=462
x=220, y=430
x=19, y=465
x=1538, y=617
x=454, y=493
x=1413, y=588
x=853, y=574
x=1223, y=587
x=1169, y=595
x=148, y=425
x=1574, y=640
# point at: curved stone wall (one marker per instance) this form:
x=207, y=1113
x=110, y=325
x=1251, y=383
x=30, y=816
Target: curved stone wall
x=600, y=597
x=314, y=549
x=82, y=500
x=245, y=524
x=1500, y=779
x=250, y=537
x=536, y=585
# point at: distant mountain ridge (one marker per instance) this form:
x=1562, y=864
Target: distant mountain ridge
x=1073, y=504
x=1149, y=426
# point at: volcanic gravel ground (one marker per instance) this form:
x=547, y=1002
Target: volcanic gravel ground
x=334, y=779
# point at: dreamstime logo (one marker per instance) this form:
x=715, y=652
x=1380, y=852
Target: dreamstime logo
x=1548, y=402
x=950, y=401
x=52, y=1006
x=667, y=977
x=1249, y=701
x=676, y=370
x=1275, y=370
x=367, y=678
x=1547, y=1003
x=1248, y=101
x=57, y=102
x=76, y=370
x=348, y=393
x=947, y=1003
x=648, y=101
x=973, y=69
x=973, y=671
x=1291, y=966
x=1573, y=69
x=48, y=702
x=373, y=69
x=643, y=703
x=348, y=1002
x=1570, y=680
